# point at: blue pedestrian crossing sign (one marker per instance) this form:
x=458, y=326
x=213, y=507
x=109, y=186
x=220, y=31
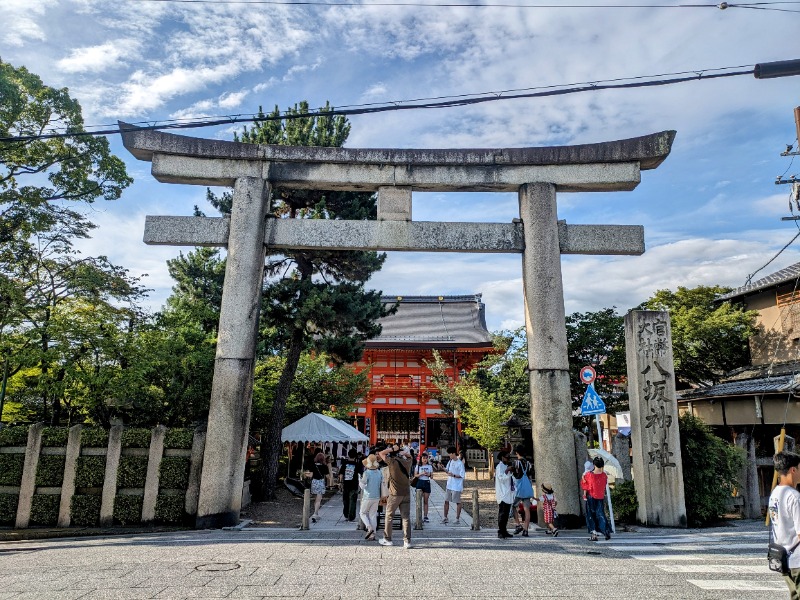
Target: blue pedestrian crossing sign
x=592, y=403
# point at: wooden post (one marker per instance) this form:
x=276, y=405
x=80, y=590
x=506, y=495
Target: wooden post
x=475, y=473
x=418, y=520
x=306, y=509
x=476, y=514
x=778, y=448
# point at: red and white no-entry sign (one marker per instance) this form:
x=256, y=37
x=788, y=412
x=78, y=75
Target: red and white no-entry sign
x=588, y=374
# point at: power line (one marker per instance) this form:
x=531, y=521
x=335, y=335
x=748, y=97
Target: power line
x=440, y=102
x=722, y=5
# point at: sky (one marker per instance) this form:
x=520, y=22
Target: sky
x=711, y=211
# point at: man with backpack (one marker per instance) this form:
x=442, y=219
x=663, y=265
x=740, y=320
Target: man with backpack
x=398, y=464
x=348, y=480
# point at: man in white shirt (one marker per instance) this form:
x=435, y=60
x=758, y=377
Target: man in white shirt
x=784, y=512
x=455, y=484
x=504, y=493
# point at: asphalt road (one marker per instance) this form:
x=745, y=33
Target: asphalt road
x=718, y=563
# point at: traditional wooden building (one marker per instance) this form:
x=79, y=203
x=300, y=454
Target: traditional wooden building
x=402, y=401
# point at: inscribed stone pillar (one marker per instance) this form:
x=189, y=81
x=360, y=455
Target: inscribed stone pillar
x=748, y=478
x=621, y=449
x=654, y=419
x=232, y=389
x=551, y=401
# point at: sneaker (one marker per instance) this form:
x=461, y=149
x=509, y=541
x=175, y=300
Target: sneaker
x=555, y=532
x=518, y=530
x=525, y=534
x=548, y=532
x=426, y=520
x=592, y=538
x=504, y=535
x=406, y=545
x=445, y=521
x=608, y=536
x=385, y=542
x=457, y=522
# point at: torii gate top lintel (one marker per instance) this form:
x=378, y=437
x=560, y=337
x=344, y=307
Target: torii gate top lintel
x=602, y=166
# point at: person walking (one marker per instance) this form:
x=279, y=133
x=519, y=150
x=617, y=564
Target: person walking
x=424, y=471
x=504, y=493
x=348, y=481
x=523, y=490
x=784, y=515
x=398, y=464
x=549, y=502
x=370, y=484
x=319, y=471
x=595, y=482
x=455, y=484
x=588, y=467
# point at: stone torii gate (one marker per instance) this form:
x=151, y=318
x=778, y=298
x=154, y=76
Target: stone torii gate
x=253, y=170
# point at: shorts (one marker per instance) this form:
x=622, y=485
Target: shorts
x=424, y=485
x=317, y=486
x=526, y=502
x=452, y=496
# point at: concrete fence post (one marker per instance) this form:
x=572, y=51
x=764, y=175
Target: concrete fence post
x=153, y=474
x=27, y=487
x=418, y=502
x=195, y=468
x=476, y=512
x=70, y=467
x=306, y=509
x=110, y=481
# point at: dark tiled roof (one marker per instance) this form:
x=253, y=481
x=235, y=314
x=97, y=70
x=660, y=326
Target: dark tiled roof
x=434, y=321
x=762, y=385
x=790, y=273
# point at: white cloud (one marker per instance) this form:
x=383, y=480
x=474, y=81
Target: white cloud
x=232, y=99
x=21, y=21
x=95, y=58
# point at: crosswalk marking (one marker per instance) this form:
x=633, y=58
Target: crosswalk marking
x=695, y=557
x=747, y=585
x=726, y=568
x=672, y=547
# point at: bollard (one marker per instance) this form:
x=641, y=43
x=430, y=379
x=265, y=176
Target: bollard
x=475, y=473
x=476, y=513
x=306, y=509
x=418, y=520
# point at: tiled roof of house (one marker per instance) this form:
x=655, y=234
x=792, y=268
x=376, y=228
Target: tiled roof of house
x=434, y=321
x=790, y=273
x=754, y=379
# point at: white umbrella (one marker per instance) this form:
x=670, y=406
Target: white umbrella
x=612, y=466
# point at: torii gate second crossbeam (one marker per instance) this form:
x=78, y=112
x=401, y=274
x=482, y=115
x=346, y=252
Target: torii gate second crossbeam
x=253, y=170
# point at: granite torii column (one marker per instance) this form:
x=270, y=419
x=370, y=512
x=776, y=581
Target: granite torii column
x=536, y=174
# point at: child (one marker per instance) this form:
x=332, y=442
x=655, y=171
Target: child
x=549, y=502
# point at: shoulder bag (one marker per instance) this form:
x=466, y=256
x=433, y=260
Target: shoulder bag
x=777, y=555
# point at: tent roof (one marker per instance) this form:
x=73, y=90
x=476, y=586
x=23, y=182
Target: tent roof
x=315, y=427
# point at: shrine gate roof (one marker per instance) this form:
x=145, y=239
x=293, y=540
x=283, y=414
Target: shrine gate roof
x=434, y=322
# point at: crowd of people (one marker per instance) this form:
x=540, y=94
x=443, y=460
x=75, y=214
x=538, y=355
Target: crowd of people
x=385, y=476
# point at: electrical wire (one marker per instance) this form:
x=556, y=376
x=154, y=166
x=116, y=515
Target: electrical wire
x=750, y=277
x=447, y=102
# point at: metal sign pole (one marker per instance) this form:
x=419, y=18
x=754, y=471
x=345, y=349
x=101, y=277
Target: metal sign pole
x=608, y=490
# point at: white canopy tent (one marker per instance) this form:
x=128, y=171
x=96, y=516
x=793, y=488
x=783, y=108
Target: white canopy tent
x=315, y=427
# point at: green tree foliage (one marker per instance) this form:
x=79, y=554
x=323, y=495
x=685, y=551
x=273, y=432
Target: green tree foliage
x=504, y=373
x=318, y=384
x=708, y=338
x=710, y=471
x=483, y=416
x=448, y=396
x=312, y=299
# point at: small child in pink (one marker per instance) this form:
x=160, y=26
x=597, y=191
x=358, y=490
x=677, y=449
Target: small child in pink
x=549, y=503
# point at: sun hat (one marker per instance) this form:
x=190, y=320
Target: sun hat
x=547, y=488
x=371, y=462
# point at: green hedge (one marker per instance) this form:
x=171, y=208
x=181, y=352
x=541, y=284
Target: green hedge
x=174, y=472
x=8, y=508
x=132, y=471
x=179, y=438
x=11, y=466
x=90, y=471
x=94, y=437
x=169, y=508
x=50, y=471
x=44, y=509
x=55, y=436
x=128, y=509
x=14, y=436
x=85, y=510
x=136, y=437
x=625, y=502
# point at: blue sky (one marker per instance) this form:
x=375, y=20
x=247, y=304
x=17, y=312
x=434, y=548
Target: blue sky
x=711, y=212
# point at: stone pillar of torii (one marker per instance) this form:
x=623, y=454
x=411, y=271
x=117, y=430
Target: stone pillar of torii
x=252, y=170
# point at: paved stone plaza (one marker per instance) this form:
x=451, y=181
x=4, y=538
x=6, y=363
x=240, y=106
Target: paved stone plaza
x=334, y=562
